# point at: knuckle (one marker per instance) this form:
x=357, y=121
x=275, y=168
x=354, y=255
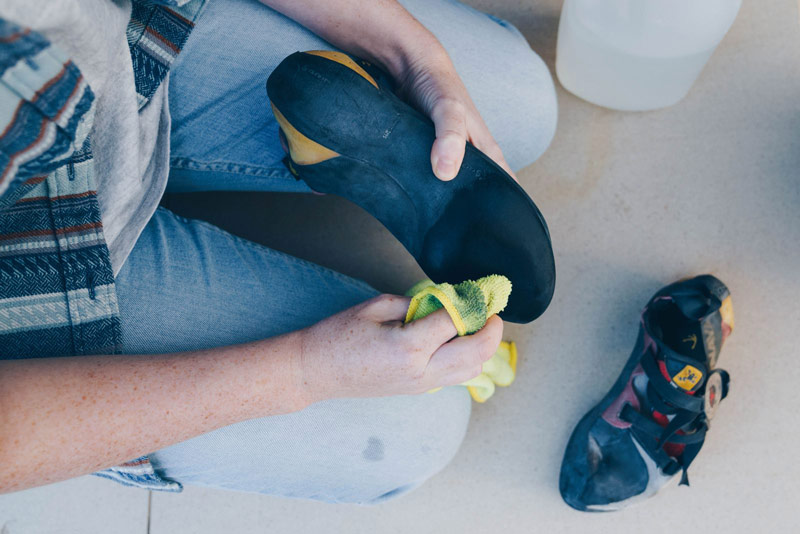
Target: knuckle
x=373, y=303
x=403, y=353
x=384, y=298
x=459, y=134
x=488, y=347
x=454, y=366
x=467, y=374
x=416, y=373
x=408, y=343
x=409, y=361
x=474, y=357
x=383, y=307
x=453, y=105
x=485, y=352
x=451, y=110
x=496, y=327
x=443, y=327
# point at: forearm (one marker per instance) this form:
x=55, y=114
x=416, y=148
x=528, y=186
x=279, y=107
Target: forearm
x=381, y=31
x=64, y=417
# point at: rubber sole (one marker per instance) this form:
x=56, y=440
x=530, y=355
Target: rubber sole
x=349, y=135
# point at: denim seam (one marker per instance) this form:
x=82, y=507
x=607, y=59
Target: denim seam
x=228, y=166
x=353, y=282
x=502, y=22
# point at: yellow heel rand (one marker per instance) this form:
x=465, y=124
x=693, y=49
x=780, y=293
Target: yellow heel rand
x=345, y=60
x=302, y=150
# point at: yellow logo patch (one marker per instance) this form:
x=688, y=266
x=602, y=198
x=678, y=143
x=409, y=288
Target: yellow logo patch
x=688, y=378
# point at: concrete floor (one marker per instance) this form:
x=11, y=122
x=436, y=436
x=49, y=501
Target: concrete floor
x=634, y=201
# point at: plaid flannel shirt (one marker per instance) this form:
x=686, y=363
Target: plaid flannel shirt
x=57, y=295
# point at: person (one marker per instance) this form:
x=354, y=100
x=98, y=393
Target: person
x=241, y=367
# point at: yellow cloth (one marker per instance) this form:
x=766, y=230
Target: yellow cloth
x=470, y=304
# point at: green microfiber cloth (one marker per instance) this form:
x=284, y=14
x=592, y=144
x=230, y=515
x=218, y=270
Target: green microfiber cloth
x=470, y=304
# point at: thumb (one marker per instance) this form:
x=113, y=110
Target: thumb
x=462, y=358
x=449, y=117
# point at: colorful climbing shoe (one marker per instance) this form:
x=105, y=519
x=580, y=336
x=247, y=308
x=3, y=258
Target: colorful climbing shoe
x=349, y=135
x=649, y=428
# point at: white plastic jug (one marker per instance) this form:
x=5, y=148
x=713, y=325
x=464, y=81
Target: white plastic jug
x=638, y=54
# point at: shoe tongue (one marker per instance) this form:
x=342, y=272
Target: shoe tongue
x=689, y=350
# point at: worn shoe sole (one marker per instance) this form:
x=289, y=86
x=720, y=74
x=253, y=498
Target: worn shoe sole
x=349, y=135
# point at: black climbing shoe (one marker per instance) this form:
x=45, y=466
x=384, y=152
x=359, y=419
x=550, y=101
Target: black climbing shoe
x=349, y=135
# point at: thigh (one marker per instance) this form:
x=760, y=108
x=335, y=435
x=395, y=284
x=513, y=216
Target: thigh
x=190, y=285
x=224, y=136
x=349, y=450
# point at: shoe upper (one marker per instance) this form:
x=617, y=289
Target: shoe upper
x=654, y=421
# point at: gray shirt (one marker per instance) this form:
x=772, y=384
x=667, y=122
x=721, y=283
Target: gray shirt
x=130, y=147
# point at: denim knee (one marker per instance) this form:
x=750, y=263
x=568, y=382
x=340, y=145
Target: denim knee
x=543, y=110
x=430, y=446
x=535, y=101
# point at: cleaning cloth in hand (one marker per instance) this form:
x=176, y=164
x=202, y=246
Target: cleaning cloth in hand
x=470, y=304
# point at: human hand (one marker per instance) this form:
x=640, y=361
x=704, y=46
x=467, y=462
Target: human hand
x=367, y=351
x=432, y=84
x=386, y=34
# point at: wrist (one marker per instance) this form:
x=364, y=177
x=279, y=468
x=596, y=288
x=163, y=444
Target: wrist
x=406, y=56
x=307, y=385
x=273, y=382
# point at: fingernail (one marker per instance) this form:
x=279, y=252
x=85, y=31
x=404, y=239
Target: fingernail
x=446, y=169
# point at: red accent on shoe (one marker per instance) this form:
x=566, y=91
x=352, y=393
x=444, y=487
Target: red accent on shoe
x=673, y=449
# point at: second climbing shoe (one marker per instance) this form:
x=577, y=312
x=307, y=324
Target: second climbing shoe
x=649, y=428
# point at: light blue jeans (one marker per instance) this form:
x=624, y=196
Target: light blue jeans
x=189, y=285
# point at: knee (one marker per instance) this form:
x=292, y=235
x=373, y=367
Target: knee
x=530, y=111
x=509, y=83
x=538, y=105
x=431, y=437
x=514, y=91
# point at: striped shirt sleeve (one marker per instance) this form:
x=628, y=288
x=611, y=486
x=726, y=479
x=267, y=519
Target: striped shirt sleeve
x=46, y=108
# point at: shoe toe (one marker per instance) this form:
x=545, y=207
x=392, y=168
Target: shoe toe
x=602, y=466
